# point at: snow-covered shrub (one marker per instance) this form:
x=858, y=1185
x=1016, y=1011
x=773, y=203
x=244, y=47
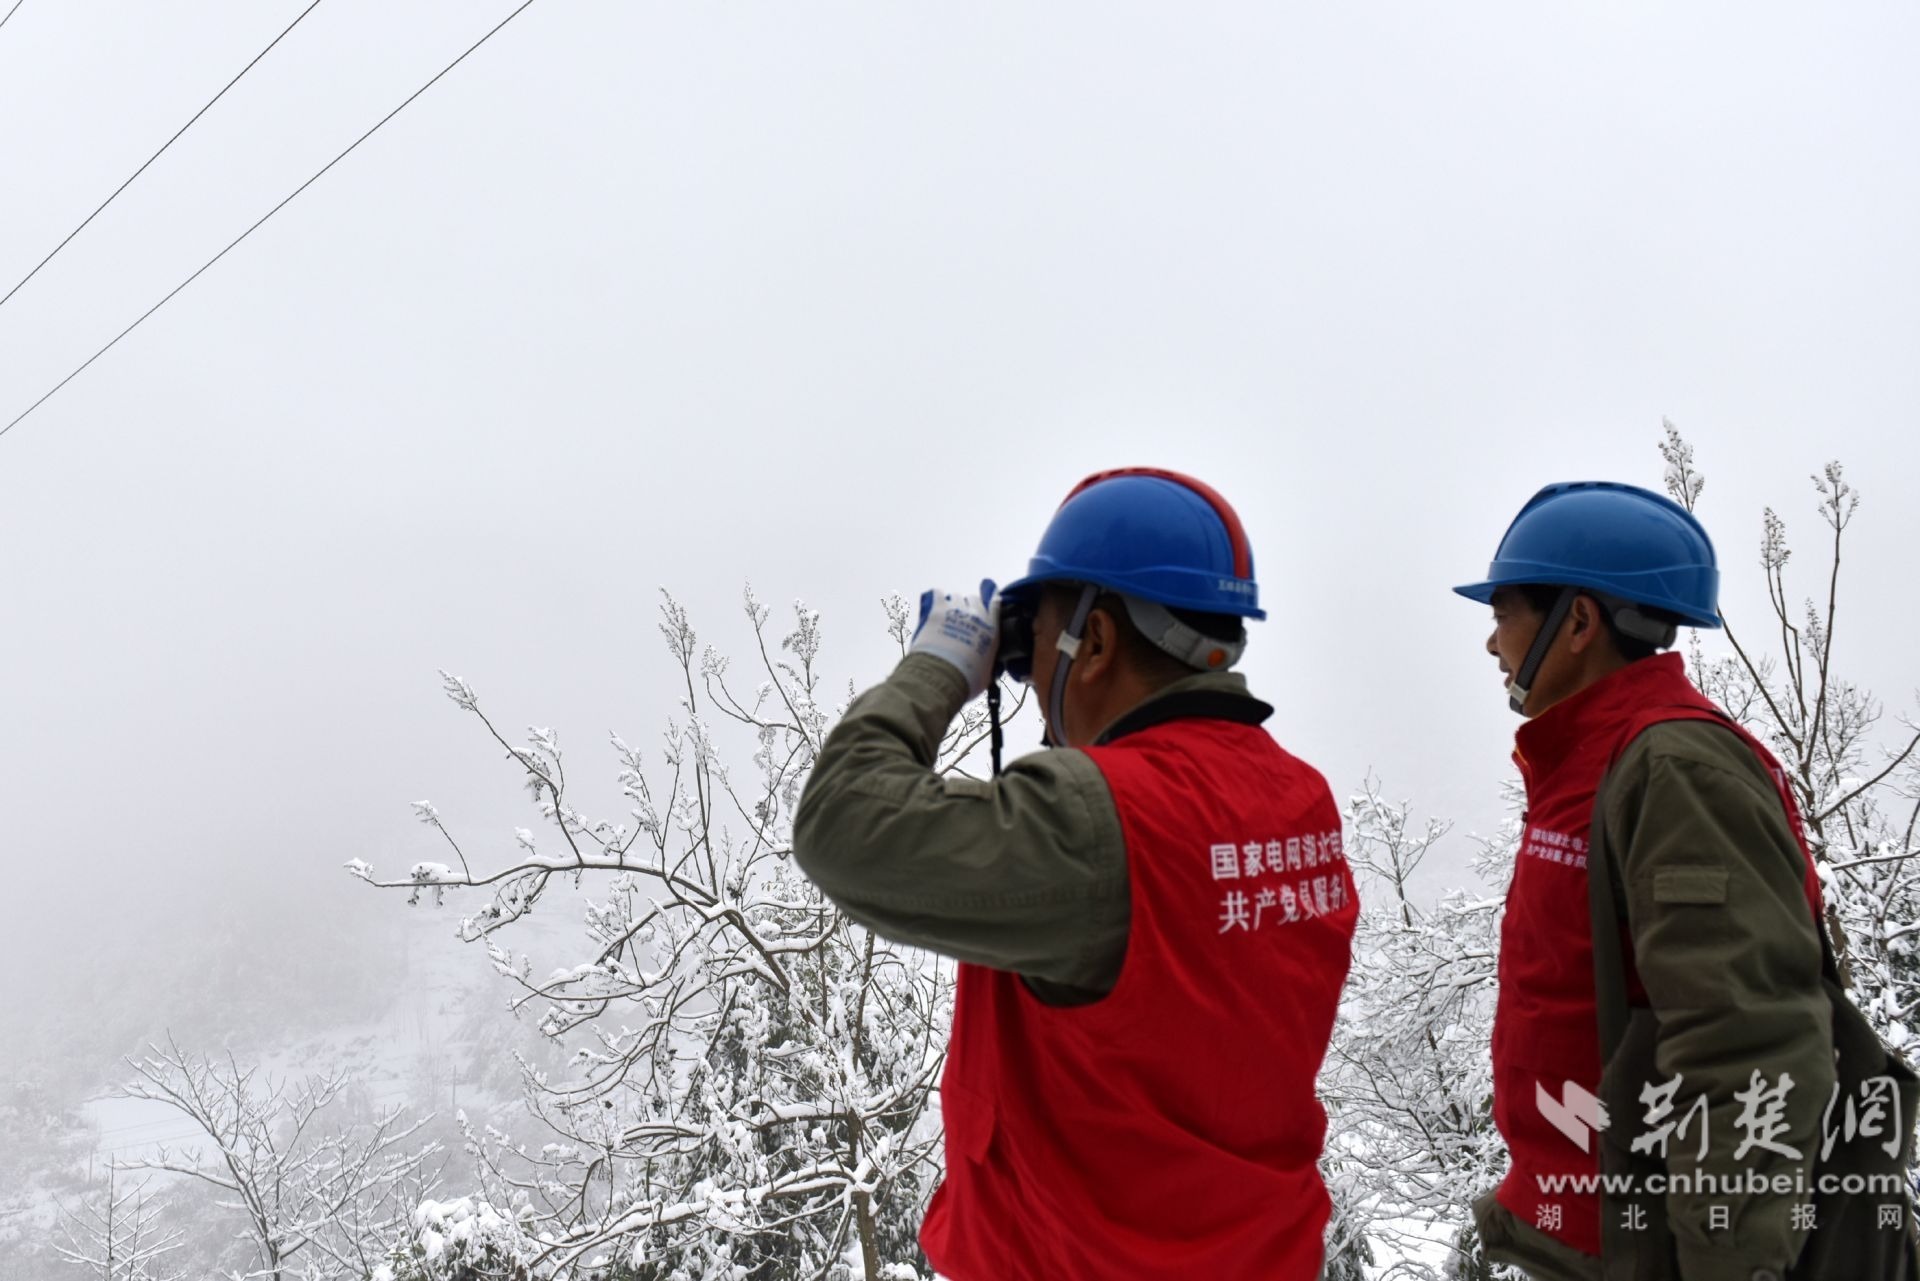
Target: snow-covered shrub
x=465, y=1239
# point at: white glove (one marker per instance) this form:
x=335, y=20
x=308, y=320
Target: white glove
x=962, y=630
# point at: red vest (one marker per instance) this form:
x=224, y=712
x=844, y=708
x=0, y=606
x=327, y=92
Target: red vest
x=1546, y=1024
x=1170, y=1130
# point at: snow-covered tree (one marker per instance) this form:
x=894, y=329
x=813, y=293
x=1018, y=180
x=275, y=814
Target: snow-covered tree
x=316, y=1201
x=122, y=1235
x=1408, y=1082
x=1856, y=780
x=752, y=1074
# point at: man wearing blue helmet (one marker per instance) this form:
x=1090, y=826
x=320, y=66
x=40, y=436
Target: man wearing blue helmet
x=1154, y=919
x=1662, y=923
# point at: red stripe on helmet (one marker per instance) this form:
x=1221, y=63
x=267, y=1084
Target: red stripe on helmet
x=1236, y=536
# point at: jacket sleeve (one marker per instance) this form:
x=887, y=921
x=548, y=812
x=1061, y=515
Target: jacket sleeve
x=1729, y=954
x=1026, y=872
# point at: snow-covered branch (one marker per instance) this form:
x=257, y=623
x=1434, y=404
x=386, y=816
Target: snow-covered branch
x=751, y=1074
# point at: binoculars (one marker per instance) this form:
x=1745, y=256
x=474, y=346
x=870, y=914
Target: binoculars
x=1015, y=655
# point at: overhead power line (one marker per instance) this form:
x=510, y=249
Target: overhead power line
x=115, y=340
x=11, y=12
x=156, y=155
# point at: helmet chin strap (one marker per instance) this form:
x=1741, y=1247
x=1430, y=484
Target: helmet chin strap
x=1521, y=686
x=1069, y=646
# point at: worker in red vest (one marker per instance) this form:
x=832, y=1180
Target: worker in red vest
x=1719, y=900
x=1154, y=919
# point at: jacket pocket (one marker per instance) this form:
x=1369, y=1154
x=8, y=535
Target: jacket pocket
x=969, y=1121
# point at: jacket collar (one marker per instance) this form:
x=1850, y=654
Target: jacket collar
x=1596, y=714
x=1204, y=695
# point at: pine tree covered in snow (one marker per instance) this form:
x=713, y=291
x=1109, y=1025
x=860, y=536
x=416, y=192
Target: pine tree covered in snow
x=753, y=1075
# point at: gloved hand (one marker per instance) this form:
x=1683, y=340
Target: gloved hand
x=962, y=630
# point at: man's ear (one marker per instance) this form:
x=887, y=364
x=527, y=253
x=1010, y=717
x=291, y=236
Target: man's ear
x=1099, y=646
x=1584, y=625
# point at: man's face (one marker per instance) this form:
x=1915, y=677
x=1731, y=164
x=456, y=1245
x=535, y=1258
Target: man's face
x=1515, y=624
x=1568, y=664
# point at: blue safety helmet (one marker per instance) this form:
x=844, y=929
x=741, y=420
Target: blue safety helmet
x=1614, y=540
x=1151, y=534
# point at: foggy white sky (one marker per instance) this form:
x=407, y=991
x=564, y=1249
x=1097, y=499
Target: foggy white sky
x=840, y=299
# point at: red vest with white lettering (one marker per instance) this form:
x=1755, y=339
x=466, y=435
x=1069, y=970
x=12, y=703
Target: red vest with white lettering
x=1169, y=1130
x=1546, y=1024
